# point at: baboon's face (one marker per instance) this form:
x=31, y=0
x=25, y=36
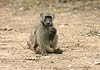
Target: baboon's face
x=48, y=21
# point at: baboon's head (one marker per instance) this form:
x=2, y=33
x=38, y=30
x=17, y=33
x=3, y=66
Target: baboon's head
x=47, y=19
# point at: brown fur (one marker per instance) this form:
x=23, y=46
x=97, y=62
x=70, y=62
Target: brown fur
x=44, y=39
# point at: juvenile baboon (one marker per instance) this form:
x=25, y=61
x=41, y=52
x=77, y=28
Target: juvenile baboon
x=43, y=38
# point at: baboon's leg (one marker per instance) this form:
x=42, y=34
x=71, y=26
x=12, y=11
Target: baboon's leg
x=54, y=45
x=43, y=50
x=37, y=51
x=53, y=50
x=58, y=51
x=48, y=50
x=44, y=47
x=32, y=43
x=41, y=47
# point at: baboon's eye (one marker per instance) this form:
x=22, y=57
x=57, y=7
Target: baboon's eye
x=48, y=19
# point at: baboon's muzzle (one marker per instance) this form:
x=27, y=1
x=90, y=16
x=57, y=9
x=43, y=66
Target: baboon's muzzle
x=49, y=24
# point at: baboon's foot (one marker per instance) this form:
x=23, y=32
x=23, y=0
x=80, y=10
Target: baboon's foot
x=58, y=51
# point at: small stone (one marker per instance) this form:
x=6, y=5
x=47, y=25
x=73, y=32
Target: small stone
x=61, y=26
x=52, y=61
x=7, y=28
x=97, y=63
x=34, y=58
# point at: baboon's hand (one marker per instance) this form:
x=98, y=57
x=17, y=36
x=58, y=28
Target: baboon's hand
x=52, y=29
x=58, y=51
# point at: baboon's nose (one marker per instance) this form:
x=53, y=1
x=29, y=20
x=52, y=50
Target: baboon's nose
x=48, y=24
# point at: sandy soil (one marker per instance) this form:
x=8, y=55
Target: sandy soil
x=79, y=37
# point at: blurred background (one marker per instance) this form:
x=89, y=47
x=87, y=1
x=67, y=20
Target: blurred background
x=55, y=5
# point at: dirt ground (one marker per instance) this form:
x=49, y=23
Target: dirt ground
x=79, y=37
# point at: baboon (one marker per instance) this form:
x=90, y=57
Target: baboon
x=43, y=38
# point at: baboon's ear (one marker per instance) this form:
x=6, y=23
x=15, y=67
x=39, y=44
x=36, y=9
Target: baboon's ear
x=42, y=17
